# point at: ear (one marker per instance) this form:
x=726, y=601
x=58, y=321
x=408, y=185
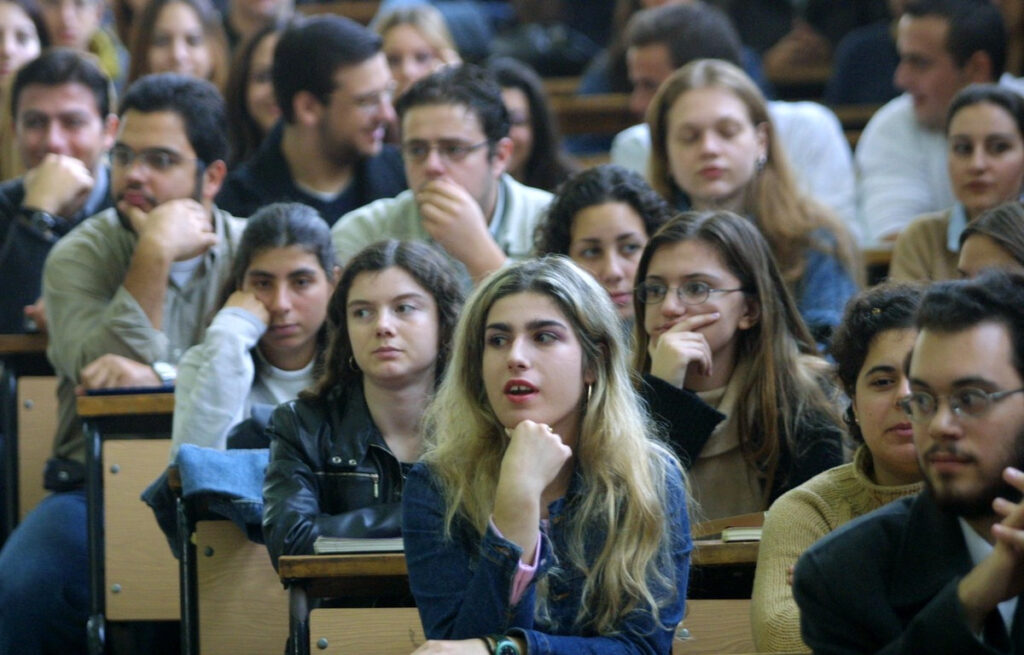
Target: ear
x=110, y=125
x=213, y=178
x=335, y=276
x=308, y=109
x=978, y=67
x=751, y=313
x=502, y=155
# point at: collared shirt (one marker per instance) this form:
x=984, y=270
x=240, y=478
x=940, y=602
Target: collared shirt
x=979, y=549
x=92, y=314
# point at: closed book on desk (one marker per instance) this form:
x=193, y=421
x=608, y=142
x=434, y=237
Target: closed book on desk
x=741, y=533
x=335, y=545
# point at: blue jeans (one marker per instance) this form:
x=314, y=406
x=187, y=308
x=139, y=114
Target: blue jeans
x=44, y=579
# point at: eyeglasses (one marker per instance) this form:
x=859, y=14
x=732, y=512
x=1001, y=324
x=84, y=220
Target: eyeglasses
x=920, y=406
x=450, y=151
x=155, y=159
x=694, y=292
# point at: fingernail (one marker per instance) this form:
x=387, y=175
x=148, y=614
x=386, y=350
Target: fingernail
x=1014, y=472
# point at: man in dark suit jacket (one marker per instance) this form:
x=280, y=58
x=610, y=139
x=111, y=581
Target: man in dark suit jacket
x=63, y=128
x=941, y=572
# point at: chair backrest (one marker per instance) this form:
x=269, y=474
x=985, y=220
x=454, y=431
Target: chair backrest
x=374, y=631
x=243, y=607
x=141, y=573
x=37, y=425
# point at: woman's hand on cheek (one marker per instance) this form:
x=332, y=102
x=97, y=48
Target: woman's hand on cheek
x=679, y=347
x=448, y=647
x=248, y=301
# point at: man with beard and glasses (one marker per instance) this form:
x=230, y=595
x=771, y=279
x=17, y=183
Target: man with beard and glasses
x=940, y=572
x=127, y=291
x=334, y=88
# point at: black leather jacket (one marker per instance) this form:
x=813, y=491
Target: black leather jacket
x=330, y=473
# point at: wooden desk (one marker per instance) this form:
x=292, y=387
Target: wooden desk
x=112, y=417
x=327, y=576
x=20, y=354
x=593, y=114
x=361, y=11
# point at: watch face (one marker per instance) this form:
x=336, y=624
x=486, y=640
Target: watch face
x=506, y=647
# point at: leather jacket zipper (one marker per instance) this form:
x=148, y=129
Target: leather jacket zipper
x=372, y=476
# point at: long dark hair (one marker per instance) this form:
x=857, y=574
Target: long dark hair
x=425, y=265
x=548, y=165
x=244, y=134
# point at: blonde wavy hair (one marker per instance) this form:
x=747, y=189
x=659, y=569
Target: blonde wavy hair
x=623, y=466
x=787, y=218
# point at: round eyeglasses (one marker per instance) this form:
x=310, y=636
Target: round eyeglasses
x=921, y=406
x=693, y=292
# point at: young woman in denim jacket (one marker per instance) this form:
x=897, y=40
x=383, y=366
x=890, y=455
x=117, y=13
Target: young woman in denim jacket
x=338, y=454
x=544, y=517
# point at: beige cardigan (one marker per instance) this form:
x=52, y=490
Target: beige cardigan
x=920, y=253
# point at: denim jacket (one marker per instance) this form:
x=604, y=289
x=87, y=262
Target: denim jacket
x=462, y=585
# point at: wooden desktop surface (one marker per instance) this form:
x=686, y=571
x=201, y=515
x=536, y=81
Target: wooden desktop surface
x=709, y=552
x=126, y=404
x=22, y=344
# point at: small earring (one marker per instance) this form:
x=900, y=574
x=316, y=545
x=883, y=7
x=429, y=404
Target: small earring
x=761, y=162
x=352, y=364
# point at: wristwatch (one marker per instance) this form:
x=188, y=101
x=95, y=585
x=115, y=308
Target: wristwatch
x=502, y=645
x=167, y=373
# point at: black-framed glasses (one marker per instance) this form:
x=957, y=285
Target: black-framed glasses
x=693, y=292
x=155, y=159
x=450, y=151
x=920, y=406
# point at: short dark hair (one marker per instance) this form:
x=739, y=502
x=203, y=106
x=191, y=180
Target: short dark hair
x=689, y=31
x=467, y=85
x=996, y=94
x=992, y=297
x=1004, y=225
x=884, y=307
x=196, y=101
x=311, y=51
x=428, y=267
x=58, y=66
x=974, y=25
x=596, y=186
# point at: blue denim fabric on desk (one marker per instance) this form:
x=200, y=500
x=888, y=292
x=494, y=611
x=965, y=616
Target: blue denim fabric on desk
x=230, y=482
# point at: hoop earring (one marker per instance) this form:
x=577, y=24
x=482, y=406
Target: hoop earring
x=590, y=389
x=352, y=364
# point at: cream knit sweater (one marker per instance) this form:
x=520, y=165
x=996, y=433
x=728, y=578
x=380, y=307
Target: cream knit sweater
x=794, y=522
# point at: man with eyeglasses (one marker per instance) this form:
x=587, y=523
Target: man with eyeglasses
x=63, y=126
x=456, y=149
x=127, y=292
x=940, y=572
x=334, y=88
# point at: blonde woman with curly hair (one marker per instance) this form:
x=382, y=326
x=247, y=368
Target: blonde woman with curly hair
x=713, y=146
x=544, y=517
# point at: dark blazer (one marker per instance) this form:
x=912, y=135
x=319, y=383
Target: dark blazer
x=266, y=179
x=886, y=583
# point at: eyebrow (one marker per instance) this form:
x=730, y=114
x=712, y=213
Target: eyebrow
x=881, y=368
x=624, y=235
x=403, y=296
x=299, y=272
x=537, y=324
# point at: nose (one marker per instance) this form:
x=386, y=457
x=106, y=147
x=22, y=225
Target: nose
x=944, y=425
x=901, y=78
x=672, y=306
x=281, y=300
x=517, y=359
x=179, y=51
x=611, y=268
x=979, y=159
x=708, y=143
x=385, y=323
x=434, y=165
x=56, y=139
x=6, y=45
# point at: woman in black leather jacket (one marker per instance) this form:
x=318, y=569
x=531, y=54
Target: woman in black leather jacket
x=339, y=454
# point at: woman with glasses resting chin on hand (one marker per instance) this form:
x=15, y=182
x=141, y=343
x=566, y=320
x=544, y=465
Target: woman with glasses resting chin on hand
x=544, y=516
x=715, y=327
